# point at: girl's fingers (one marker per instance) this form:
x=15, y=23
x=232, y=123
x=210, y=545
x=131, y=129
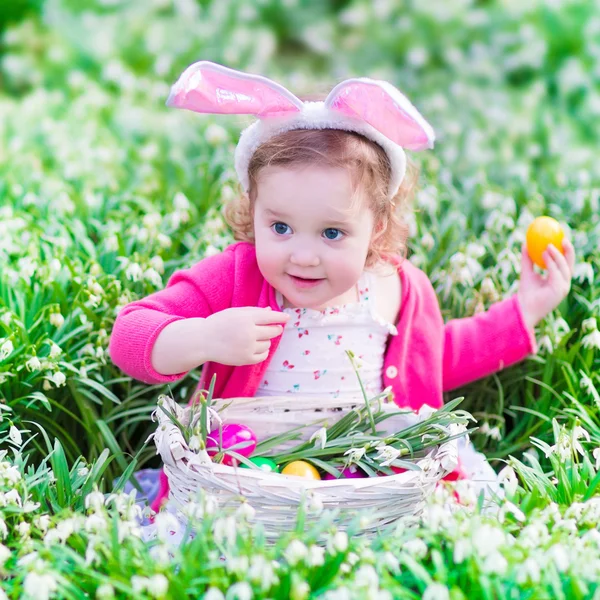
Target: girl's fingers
x=268, y=332
x=554, y=273
x=561, y=262
x=526, y=264
x=258, y=358
x=262, y=347
x=569, y=250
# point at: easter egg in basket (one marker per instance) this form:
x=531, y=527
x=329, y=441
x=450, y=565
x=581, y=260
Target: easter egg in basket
x=263, y=463
x=301, y=468
x=232, y=436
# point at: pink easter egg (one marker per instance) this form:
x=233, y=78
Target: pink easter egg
x=351, y=472
x=233, y=434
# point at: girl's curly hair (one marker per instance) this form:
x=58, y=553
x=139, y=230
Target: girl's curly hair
x=369, y=168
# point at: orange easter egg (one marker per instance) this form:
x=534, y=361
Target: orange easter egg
x=300, y=468
x=542, y=232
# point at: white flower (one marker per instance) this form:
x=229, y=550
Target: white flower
x=33, y=364
x=57, y=378
x=133, y=272
x=510, y=508
x=436, y=591
x=5, y=554
x=338, y=542
x=15, y=436
x=355, y=454
x=387, y=455
x=586, y=383
x=596, y=455
x=560, y=556
x=295, y=552
x=487, y=539
x=416, y=547
x=239, y=591
x=589, y=325
x=55, y=350
x=462, y=550
x=316, y=556
x=366, y=577
x=57, y=320
x=105, y=592
x=213, y=593
x=495, y=563
x=319, y=437
x=40, y=586
x=6, y=349
x=508, y=478
x=299, y=589
x=592, y=340
x=180, y=201
x=529, y=571
x=583, y=271
x=245, y=511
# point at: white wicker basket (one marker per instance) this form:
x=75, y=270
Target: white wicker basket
x=276, y=497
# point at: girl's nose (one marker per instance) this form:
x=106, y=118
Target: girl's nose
x=304, y=257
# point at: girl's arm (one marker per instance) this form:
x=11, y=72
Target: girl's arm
x=477, y=346
x=176, y=314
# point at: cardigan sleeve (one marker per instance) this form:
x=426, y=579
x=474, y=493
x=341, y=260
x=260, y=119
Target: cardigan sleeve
x=477, y=346
x=196, y=292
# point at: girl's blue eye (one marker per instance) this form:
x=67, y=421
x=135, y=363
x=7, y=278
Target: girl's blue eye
x=280, y=228
x=331, y=233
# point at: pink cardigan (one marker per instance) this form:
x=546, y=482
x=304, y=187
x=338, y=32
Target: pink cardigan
x=426, y=358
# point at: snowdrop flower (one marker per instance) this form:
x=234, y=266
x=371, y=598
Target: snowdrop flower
x=213, y=594
x=295, y=552
x=510, y=508
x=319, y=437
x=560, y=556
x=584, y=271
x=57, y=378
x=596, y=455
x=487, y=539
x=55, y=350
x=427, y=241
x=592, y=340
x=239, y=591
x=508, y=478
x=388, y=453
x=15, y=436
x=33, y=364
x=495, y=563
x=40, y=586
x=299, y=589
x=225, y=530
x=586, y=383
x=5, y=554
x=416, y=547
x=315, y=556
x=589, y=325
x=338, y=542
x=366, y=577
x=106, y=592
x=133, y=272
x=56, y=320
x=246, y=511
x=355, y=454
x=6, y=349
x=156, y=586
x=436, y=591
x=529, y=572
x=462, y=550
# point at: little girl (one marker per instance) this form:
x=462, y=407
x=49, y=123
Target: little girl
x=320, y=266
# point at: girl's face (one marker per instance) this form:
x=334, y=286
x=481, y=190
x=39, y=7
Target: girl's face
x=309, y=244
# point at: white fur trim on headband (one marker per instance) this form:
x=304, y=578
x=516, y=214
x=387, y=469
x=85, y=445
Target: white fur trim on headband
x=315, y=115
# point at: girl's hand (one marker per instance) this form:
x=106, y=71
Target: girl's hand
x=242, y=336
x=539, y=295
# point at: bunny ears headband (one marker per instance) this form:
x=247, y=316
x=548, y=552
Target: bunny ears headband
x=375, y=109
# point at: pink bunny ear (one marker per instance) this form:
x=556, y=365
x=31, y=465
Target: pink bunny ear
x=386, y=109
x=207, y=87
